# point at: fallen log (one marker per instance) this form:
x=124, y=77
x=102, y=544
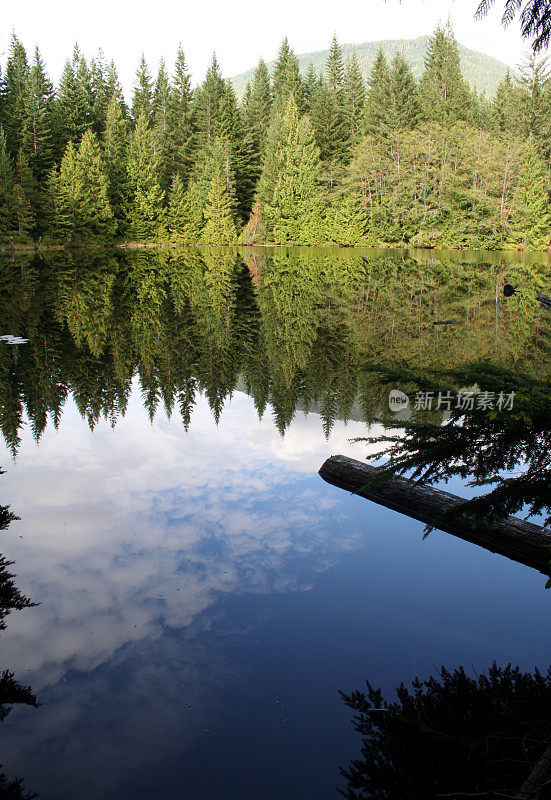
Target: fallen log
x=544, y=301
x=514, y=538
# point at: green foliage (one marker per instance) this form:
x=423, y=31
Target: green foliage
x=80, y=194
x=442, y=90
x=219, y=226
x=115, y=153
x=297, y=165
x=146, y=213
x=185, y=215
x=142, y=101
x=531, y=217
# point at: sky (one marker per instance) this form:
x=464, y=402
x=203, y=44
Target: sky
x=240, y=33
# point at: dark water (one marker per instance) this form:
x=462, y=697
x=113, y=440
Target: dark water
x=203, y=593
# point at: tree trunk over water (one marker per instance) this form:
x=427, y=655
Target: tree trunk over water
x=520, y=541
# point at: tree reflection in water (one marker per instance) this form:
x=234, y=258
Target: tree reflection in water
x=11, y=691
x=454, y=736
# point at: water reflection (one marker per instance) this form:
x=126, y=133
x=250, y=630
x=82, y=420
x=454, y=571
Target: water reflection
x=202, y=594
x=294, y=328
x=12, y=692
x=454, y=735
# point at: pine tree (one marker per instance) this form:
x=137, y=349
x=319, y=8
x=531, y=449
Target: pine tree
x=219, y=226
x=354, y=98
x=207, y=102
x=346, y=221
x=100, y=92
x=531, y=218
x=280, y=70
x=244, y=151
x=312, y=82
x=404, y=109
x=14, y=108
x=379, y=98
x=260, y=103
x=146, y=214
x=297, y=164
x=334, y=68
x=115, y=154
x=38, y=135
x=24, y=195
x=182, y=135
x=442, y=90
x=506, y=107
x=7, y=183
x=73, y=114
x=83, y=211
x=161, y=123
x=178, y=216
x=142, y=100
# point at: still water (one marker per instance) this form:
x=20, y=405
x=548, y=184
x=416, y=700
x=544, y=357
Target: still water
x=203, y=594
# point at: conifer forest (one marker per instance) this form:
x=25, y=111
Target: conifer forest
x=313, y=159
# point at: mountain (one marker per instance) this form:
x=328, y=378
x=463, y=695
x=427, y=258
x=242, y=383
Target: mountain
x=480, y=70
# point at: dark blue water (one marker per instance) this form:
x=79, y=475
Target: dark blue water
x=205, y=595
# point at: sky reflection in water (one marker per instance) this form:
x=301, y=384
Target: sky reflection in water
x=204, y=595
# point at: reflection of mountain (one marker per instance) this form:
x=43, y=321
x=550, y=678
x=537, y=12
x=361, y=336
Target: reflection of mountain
x=302, y=335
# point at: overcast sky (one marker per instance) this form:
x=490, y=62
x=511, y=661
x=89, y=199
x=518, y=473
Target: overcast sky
x=239, y=32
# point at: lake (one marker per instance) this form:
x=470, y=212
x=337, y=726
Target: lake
x=203, y=594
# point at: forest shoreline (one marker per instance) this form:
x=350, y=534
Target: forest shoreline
x=35, y=247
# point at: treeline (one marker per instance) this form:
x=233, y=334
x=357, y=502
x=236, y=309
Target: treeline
x=313, y=159
x=296, y=328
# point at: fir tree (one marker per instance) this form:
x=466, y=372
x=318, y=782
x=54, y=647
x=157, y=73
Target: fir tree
x=280, y=70
x=379, y=97
x=161, y=123
x=442, y=91
x=207, y=102
x=404, y=109
x=260, y=103
x=72, y=109
x=297, y=164
x=182, y=138
x=6, y=187
x=334, y=68
x=506, y=107
x=142, y=100
x=346, y=221
x=312, y=82
x=24, y=195
x=115, y=153
x=354, y=98
x=38, y=136
x=146, y=214
x=14, y=110
x=531, y=218
x=219, y=226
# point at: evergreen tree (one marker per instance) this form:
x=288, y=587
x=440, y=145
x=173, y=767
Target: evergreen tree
x=146, y=213
x=182, y=140
x=142, y=100
x=82, y=204
x=100, y=92
x=280, y=70
x=115, y=154
x=531, y=218
x=334, y=68
x=296, y=192
x=404, y=109
x=6, y=187
x=260, y=103
x=113, y=88
x=38, y=135
x=161, y=123
x=207, y=102
x=506, y=107
x=346, y=221
x=24, y=195
x=354, y=98
x=443, y=93
x=72, y=109
x=312, y=83
x=244, y=151
x=14, y=107
x=379, y=98
x=219, y=226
